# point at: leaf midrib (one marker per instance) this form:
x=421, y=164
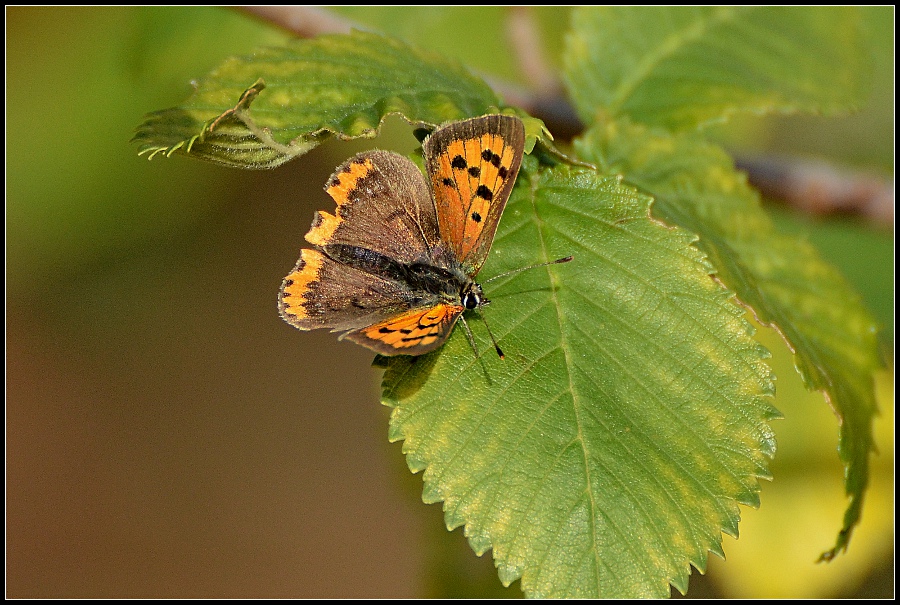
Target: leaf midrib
x=579, y=409
x=563, y=345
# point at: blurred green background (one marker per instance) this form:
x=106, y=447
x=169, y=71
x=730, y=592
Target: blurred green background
x=169, y=435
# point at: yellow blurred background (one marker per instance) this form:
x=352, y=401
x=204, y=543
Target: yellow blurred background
x=169, y=436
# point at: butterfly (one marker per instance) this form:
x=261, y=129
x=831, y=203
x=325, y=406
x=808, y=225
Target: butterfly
x=394, y=268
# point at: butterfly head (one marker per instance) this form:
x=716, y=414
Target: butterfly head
x=471, y=296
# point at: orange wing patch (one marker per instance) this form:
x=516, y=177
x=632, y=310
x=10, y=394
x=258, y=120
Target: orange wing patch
x=296, y=285
x=339, y=188
x=470, y=176
x=419, y=330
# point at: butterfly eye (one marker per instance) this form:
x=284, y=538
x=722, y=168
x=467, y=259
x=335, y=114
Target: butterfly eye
x=470, y=300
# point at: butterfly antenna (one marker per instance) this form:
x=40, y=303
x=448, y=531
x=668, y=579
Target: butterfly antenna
x=469, y=335
x=553, y=262
x=493, y=340
x=472, y=339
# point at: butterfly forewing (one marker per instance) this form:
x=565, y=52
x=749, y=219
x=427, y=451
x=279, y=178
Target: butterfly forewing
x=473, y=165
x=383, y=205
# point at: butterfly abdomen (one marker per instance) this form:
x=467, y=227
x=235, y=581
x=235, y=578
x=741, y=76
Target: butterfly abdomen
x=420, y=278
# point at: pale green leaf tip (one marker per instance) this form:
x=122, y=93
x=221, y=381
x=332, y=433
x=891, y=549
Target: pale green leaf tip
x=452, y=519
x=508, y=574
x=394, y=432
x=680, y=583
x=480, y=544
x=717, y=550
x=431, y=494
x=730, y=525
x=416, y=465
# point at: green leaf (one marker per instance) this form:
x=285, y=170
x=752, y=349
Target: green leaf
x=610, y=449
x=264, y=109
x=681, y=67
x=784, y=280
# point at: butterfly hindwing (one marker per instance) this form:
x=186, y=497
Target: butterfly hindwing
x=374, y=312
x=413, y=333
x=473, y=165
x=323, y=293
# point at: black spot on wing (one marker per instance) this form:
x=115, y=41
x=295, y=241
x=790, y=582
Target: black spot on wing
x=420, y=337
x=489, y=156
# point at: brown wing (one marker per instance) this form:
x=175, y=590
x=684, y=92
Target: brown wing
x=376, y=313
x=413, y=333
x=322, y=293
x=473, y=165
x=383, y=204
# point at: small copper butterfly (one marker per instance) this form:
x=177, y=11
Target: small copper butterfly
x=395, y=267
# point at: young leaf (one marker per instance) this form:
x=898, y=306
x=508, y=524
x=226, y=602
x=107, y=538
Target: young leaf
x=610, y=449
x=685, y=67
x=783, y=279
x=262, y=110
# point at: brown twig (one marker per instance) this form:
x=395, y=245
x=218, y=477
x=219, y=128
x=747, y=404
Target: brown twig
x=305, y=21
x=545, y=96
x=524, y=36
x=817, y=187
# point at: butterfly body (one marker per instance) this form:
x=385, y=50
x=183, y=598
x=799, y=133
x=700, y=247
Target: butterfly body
x=394, y=268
